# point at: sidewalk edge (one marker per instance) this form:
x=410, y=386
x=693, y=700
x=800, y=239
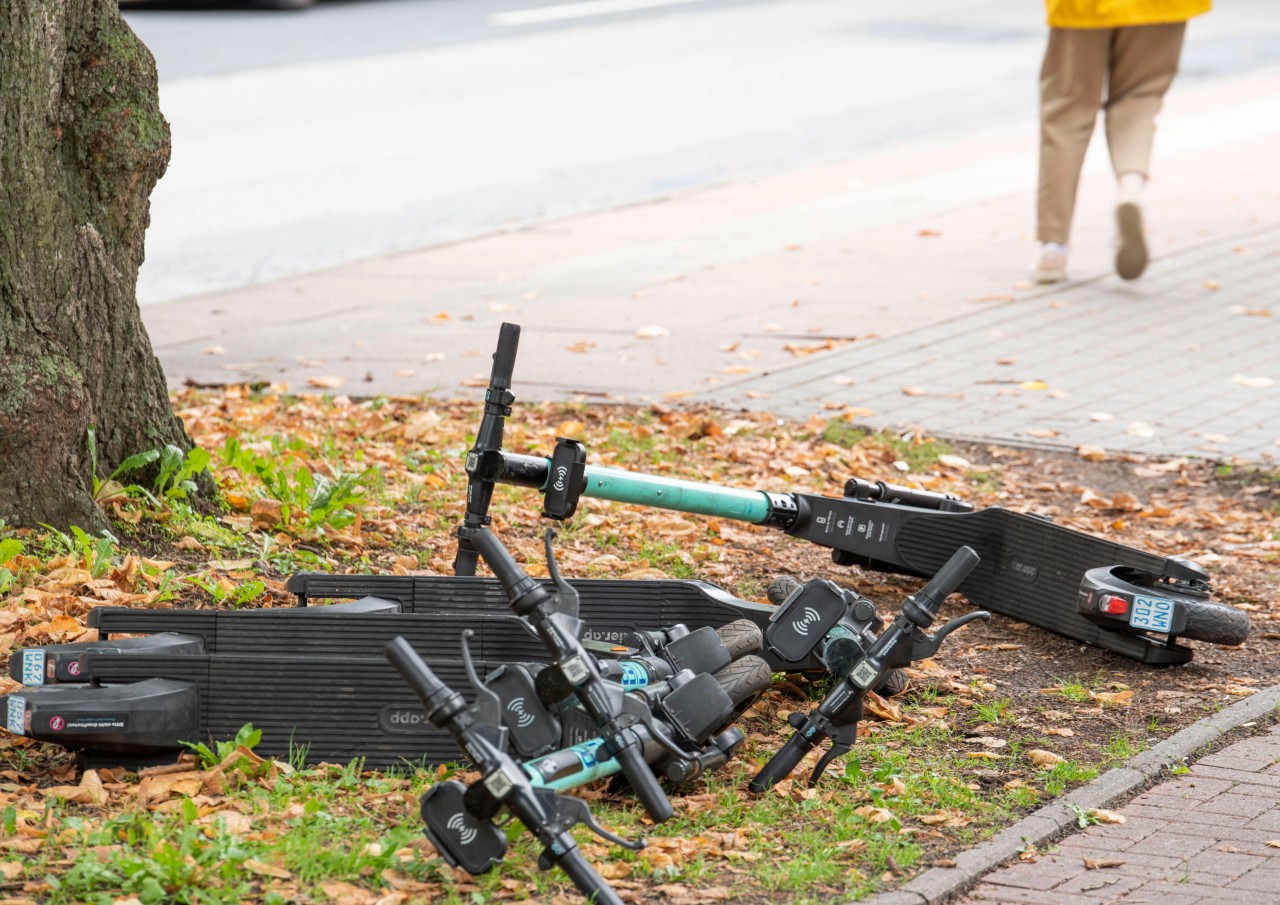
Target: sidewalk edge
x=938, y=884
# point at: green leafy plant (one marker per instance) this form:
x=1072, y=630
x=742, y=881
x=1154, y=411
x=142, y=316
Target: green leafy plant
x=10, y=547
x=97, y=553
x=310, y=499
x=247, y=737
x=175, y=479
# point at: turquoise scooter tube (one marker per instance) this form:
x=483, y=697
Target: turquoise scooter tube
x=681, y=496
x=571, y=767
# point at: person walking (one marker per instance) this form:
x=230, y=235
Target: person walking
x=1118, y=56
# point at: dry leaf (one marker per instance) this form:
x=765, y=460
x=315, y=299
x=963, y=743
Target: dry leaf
x=1091, y=453
x=912, y=391
x=1042, y=758
x=1140, y=429
x=653, y=331
x=329, y=382
x=1102, y=815
x=1033, y=385
x=266, y=870
x=1255, y=382
x=1100, y=863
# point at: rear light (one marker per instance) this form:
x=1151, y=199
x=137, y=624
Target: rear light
x=1113, y=605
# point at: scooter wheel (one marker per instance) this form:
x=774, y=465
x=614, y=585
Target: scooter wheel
x=744, y=680
x=741, y=637
x=1216, y=623
x=781, y=588
x=894, y=683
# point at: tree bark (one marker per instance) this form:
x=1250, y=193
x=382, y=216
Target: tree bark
x=82, y=143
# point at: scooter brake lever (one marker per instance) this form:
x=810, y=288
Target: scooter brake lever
x=928, y=646
x=566, y=599
x=570, y=811
x=841, y=744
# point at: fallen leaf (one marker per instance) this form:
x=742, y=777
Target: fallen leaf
x=1102, y=815
x=1100, y=863
x=1042, y=758
x=1091, y=453
x=330, y=382
x=653, y=331
x=266, y=870
x=912, y=391
x=1033, y=385
x=213, y=350
x=1139, y=429
x=1255, y=382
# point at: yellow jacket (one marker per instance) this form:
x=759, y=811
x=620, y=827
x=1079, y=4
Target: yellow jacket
x=1117, y=13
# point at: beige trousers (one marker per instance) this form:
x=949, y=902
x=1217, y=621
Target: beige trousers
x=1135, y=66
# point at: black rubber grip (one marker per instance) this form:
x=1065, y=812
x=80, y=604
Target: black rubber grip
x=504, y=359
x=644, y=784
x=515, y=581
x=781, y=764
x=584, y=876
x=953, y=571
x=425, y=684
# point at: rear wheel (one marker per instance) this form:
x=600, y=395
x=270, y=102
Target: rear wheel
x=1216, y=623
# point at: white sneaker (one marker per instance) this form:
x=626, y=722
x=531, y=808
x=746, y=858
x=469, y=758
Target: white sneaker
x=1131, y=247
x=1050, y=265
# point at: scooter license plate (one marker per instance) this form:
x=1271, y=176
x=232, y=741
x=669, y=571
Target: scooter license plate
x=1152, y=613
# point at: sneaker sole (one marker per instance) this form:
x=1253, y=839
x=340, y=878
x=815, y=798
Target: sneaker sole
x=1131, y=256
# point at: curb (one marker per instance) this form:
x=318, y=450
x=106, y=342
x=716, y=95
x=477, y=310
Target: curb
x=938, y=884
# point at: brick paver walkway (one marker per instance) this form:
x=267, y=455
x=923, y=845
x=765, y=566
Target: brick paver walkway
x=1203, y=838
x=1185, y=361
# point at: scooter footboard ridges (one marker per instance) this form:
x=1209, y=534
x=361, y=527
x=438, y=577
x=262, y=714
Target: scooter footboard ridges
x=326, y=632
x=611, y=608
x=331, y=709
x=1030, y=571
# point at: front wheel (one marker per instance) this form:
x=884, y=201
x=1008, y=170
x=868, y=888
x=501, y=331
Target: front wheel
x=1216, y=623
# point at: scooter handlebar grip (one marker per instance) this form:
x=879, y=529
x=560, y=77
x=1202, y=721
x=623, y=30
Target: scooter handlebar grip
x=504, y=359
x=953, y=572
x=585, y=877
x=499, y=559
x=425, y=683
x=781, y=765
x=644, y=784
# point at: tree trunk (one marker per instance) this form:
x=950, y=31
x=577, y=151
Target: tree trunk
x=82, y=143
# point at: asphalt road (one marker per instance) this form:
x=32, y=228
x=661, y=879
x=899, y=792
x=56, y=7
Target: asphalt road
x=363, y=128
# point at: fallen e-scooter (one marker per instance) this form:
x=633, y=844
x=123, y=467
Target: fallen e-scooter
x=1083, y=587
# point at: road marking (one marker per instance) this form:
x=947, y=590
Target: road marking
x=583, y=10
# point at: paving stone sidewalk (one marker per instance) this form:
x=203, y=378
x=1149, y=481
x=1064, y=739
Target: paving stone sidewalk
x=1206, y=837
x=1185, y=361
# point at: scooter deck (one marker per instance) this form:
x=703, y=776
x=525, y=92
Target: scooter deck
x=613, y=609
x=1031, y=568
x=320, y=709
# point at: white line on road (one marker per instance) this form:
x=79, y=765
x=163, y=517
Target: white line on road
x=564, y=11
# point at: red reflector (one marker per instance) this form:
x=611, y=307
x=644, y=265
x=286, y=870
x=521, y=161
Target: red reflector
x=1116, y=606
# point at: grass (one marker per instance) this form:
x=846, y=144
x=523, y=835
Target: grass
x=920, y=454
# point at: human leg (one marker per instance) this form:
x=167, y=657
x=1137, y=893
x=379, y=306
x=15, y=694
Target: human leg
x=1071, y=82
x=1144, y=60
